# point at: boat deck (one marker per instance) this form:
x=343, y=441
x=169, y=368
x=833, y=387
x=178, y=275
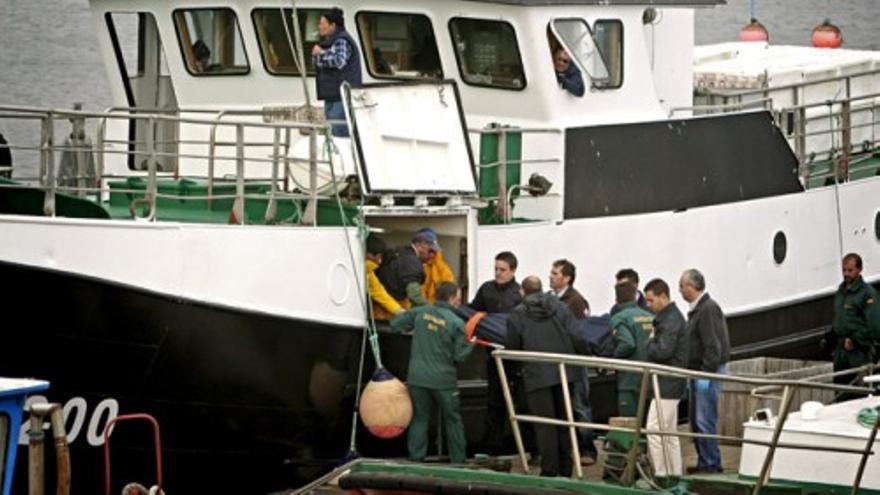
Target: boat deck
x=730, y=455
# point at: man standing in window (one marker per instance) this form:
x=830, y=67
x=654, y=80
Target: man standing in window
x=336, y=60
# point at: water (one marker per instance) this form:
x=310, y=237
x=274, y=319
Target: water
x=49, y=52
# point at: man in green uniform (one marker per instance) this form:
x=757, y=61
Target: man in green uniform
x=631, y=327
x=856, y=319
x=439, y=342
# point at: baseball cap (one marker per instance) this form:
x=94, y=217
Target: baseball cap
x=428, y=236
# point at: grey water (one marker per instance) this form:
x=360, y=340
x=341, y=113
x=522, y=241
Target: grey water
x=49, y=53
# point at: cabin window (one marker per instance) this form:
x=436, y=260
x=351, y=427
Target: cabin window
x=609, y=39
x=487, y=53
x=210, y=41
x=272, y=27
x=576, y=37
x=399, y=46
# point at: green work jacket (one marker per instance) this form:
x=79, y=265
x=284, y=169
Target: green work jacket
x=631, y=327
x=438, y=343
x=857, y=314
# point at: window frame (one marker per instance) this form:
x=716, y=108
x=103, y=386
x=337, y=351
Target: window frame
x=458, y=56
x=365, y=56
x=269, y=71
x=574, y=58
x=622, y=52
x=183, y=50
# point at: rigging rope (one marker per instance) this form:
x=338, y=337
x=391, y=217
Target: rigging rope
x=370, y=333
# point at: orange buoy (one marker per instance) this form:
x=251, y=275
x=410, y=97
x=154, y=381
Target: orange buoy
x=385, y=407
x=827, y=35
x=753, y=31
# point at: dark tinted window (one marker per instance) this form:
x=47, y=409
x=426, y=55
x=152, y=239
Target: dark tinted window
x=399, y=45
x=272, y=27
x=487, y=53
x=211, y=42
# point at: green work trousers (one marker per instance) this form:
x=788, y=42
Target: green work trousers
x=627, y=403
x=424, y=401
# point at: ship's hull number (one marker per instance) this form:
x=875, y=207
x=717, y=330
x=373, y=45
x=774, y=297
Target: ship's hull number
x=79, y=419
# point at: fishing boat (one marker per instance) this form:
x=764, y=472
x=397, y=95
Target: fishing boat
x=195, y=251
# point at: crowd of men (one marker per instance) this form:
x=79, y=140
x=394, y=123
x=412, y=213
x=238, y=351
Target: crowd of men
x=415, y=287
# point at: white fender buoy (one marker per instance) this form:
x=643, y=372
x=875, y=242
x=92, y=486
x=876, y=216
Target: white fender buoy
x=386, y=408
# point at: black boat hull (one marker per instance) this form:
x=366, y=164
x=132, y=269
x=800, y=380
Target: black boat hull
x=247, y=402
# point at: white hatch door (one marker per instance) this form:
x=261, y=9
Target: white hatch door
x=411, y=139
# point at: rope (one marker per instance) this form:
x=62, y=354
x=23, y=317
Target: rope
x=370, y=333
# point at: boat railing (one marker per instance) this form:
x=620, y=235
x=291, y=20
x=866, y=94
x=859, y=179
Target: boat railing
x=88, y=179
x=504, y=192
x=650, y=375
x=824, y=132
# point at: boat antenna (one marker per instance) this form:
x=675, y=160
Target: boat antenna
x=296, y=50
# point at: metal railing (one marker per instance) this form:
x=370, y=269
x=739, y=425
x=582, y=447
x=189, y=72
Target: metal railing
x=92, y=180
x=800, y=112
x=504, y=200
x=650, y=374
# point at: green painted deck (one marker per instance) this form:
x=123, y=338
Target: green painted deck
x=458, y=479
x=862, y=166
x=179, y=200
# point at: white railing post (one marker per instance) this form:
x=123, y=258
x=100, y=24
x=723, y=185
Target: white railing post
x=47, y=163
x=238, y=207
x=152, y=182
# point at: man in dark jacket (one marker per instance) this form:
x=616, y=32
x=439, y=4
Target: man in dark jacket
x=499, y=295
x=667, y=345
x=562, y=277
x=631, y=276
x=709, y=352
x=567, y=74
x=543, y=324
x=631, y=326
x=856, y=321
x=438, y=344
x=337, y=60
x=402, y=272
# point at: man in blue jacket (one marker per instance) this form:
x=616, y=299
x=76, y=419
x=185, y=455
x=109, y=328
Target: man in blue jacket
x=337, y=60
x=567, y=74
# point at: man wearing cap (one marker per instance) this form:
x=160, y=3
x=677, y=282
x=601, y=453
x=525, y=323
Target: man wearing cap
x=438, y=345
x=336, y=61
x=402, y=273
x=436, y=269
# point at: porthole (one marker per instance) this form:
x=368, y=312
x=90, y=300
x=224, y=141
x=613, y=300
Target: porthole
x=780, y=247
x=877, y=225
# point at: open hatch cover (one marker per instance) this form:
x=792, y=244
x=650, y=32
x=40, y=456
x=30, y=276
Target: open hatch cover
x=411, y=139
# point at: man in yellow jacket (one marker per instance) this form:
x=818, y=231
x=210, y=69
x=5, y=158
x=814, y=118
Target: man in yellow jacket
x=437, y=271
x=384, y=306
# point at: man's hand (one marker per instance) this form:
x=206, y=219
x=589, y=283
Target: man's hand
x=848, y=345
x=317, y=50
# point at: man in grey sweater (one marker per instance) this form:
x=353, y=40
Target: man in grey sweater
x=709, y=352
x=667, y=345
